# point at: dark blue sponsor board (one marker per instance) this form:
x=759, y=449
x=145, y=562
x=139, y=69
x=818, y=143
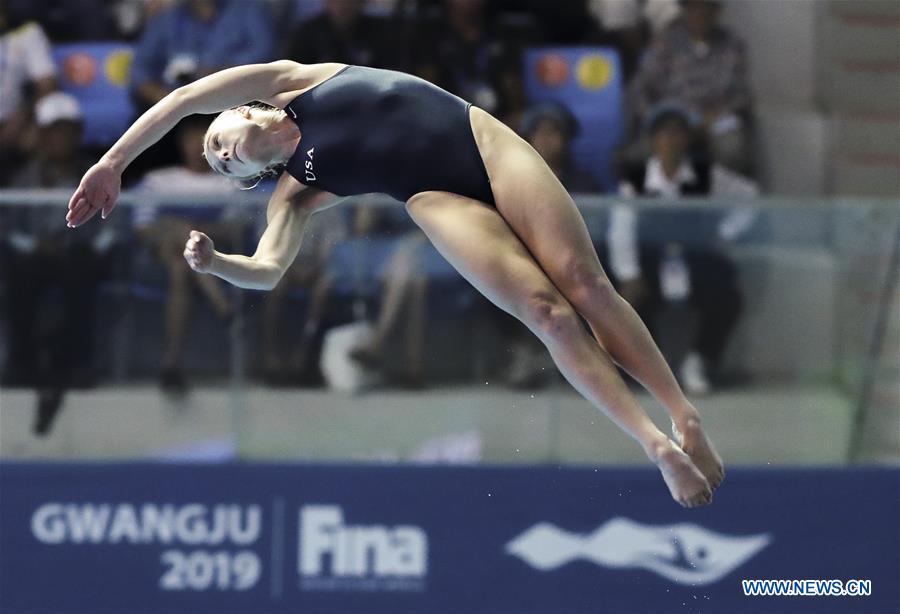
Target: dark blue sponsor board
x=273, y=539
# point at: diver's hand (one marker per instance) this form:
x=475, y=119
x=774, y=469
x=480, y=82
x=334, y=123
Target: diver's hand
x=98, y=191
x=198, y=251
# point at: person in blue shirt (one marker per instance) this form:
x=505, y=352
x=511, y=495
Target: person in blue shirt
x=194, y=38
x=483, y=196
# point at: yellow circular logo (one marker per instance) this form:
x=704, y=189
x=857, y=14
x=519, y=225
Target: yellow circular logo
x=118, y=67
x=594, y=72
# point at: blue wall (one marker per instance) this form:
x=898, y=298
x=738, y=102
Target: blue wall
x=271, y=539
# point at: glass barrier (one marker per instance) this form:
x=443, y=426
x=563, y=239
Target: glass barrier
x=779, y=317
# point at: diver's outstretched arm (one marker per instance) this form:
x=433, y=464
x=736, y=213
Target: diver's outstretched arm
x=288, y=212
x=99, y=188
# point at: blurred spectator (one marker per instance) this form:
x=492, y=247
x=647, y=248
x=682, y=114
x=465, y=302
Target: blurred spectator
x=463, y=52
x=194, y=38
x=299, y=11
x=188, y=40
x=68, y=20
x=697, y=272
x=404, y=293
x=559, y=23
x=626, y=14
x=25, y=63
x=627, y=25
x=309, y=271
x=342, y=32
x=163, y=230
x=549, y=128
x=701, y=64
x=52, y=273
x=131, y=16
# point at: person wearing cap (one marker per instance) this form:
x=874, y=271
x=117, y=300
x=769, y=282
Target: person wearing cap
x=38, y=256
x=702, y=65
x=59, y=157
x=651, y=274
x=550, y=127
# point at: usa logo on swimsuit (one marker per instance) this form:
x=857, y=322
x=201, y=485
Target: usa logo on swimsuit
x=683, y=553
x=310, y=172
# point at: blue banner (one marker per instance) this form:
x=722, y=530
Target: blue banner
x=295, y=539
x=588, y=81
x=98, y=75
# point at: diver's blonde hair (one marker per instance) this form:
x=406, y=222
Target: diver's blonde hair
x=268, y=116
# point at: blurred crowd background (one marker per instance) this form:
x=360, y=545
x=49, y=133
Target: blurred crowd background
x=736, y=162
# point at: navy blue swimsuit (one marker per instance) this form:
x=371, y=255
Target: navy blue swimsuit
x=371, y=130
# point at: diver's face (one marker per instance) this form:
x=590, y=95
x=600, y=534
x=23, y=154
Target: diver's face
x=236, y=145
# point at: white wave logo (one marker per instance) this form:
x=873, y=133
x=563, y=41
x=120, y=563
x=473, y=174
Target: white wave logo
x=683, y=553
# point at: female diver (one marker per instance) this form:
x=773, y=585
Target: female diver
x=481, y=194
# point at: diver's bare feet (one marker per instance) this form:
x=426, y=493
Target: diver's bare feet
x=685, y=482
x=696, y=444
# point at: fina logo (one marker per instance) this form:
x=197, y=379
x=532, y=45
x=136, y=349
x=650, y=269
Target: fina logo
x=335, y=556
x=683, y=553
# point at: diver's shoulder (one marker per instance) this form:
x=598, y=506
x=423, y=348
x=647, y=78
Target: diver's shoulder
x=298, y=78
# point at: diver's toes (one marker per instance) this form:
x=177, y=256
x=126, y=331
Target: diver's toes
x=703, y=498
x=720, y=478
